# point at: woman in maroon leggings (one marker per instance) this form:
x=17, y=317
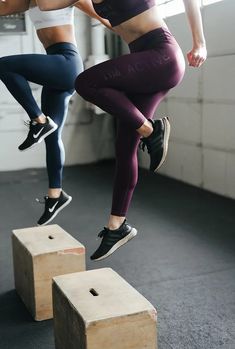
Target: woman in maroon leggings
x=131, y=87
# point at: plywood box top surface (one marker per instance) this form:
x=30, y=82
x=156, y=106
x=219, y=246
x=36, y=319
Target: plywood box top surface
x=115, y=297
x=47, y=239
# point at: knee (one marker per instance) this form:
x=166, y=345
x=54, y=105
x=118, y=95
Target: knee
x=83, y=86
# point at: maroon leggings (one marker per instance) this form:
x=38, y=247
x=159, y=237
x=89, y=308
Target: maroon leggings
x=131, y=87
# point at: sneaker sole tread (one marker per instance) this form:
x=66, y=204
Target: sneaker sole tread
x=165, y=141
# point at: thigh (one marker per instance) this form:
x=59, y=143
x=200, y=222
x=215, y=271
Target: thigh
x=46, y=70
x=139, y=72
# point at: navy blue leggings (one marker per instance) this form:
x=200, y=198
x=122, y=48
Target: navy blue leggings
x=56, y=72
x=131, y=87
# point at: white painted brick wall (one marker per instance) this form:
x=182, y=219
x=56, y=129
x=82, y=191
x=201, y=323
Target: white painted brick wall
x=202, y=108
x=184, y=163
x=214, y=166
x=218, y=78
x=186, y=122
x=219, y=126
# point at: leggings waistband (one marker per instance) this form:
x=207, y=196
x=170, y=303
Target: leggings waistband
x=61, y=47
x=152, y=39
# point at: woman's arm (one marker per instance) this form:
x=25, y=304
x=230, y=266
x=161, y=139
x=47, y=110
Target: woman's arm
x=87, y=7
x=47, y=5
x=198, y=53
x=9, y=7
x=83, y=5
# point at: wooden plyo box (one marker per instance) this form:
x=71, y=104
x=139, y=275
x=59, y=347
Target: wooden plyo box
x=39, y=253
x=98, y=309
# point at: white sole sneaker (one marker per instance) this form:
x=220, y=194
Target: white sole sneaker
x=167, y=126
x=121, y=242
x=55, y=126
x=56, y=213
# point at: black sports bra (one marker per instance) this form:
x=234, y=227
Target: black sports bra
x=118, y=11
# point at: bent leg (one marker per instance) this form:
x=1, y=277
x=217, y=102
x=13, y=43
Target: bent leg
x=42, y=69
x=11, y=74
x=109, y=84
x=55, y=103
x=126, y=172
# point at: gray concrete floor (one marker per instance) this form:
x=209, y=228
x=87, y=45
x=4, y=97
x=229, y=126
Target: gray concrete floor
x=182, y=259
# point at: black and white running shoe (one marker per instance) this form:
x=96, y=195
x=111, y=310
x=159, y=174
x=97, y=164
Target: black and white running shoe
x=53, y=206
x=112, y=240
x=157, y=142
x=37, y=132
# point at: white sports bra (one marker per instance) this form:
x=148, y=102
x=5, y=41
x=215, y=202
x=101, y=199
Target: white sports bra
x=46, y=19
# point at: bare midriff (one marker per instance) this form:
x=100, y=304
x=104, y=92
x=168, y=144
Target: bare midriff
x=139, y=25
x=53, y=35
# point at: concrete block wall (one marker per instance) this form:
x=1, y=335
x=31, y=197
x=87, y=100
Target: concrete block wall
x=202, y=108
x=86, y=138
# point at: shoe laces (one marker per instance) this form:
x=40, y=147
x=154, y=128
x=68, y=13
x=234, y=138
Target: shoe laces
x=40, y=201
x=29, y=123
x=103, y=232
x=143, y=144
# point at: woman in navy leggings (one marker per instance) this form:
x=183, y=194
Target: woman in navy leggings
x=56, y=72
x=131, y=87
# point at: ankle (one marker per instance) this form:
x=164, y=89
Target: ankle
x=54, y=193
x=115, y=222
x=41, y=119
x=146, y=129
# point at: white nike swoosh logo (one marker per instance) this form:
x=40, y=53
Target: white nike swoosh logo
x=37, y=134
x=53, y=207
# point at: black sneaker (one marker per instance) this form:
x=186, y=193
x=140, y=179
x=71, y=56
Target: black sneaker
x=53, y=206
x=157, y=142
x=37, y=132
x=112, y=240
